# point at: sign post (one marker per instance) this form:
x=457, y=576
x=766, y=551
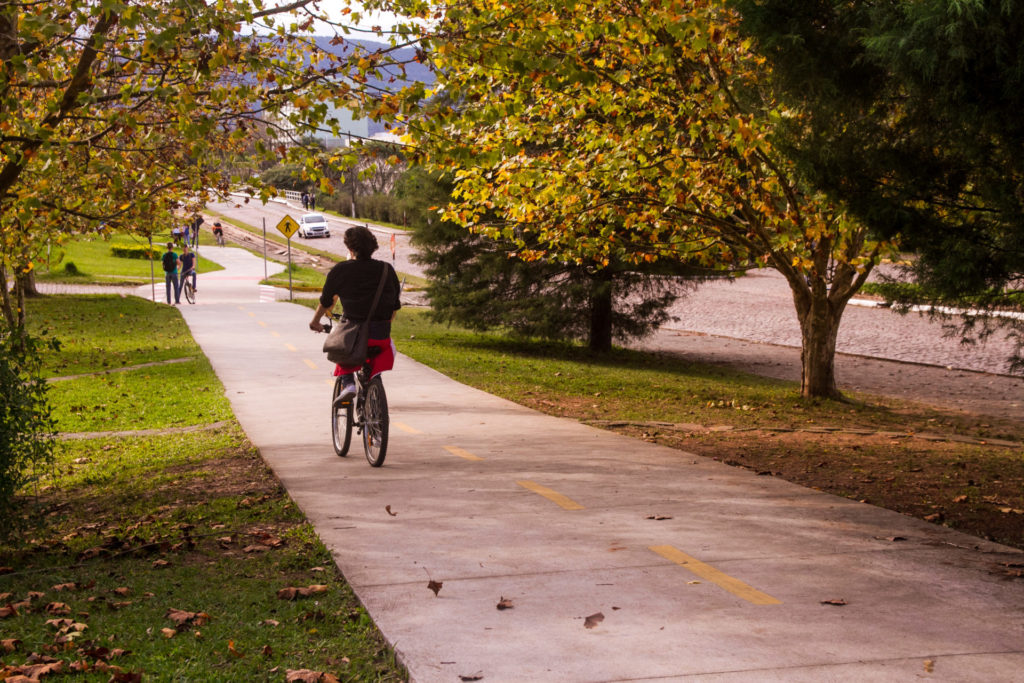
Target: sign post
x=287, y=227
x=392, y=247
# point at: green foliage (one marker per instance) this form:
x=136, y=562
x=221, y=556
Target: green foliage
x=482, y=283
x=71, y=269
x=285, y=177
x=135, y=251
x=27, y=442
x=910, y=115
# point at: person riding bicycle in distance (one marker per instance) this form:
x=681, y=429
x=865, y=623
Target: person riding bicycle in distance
x=354, y=283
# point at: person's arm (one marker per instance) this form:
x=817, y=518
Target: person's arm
x=321, y=311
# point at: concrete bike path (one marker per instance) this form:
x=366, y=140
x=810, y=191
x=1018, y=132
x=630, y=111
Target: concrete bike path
x=621, y=560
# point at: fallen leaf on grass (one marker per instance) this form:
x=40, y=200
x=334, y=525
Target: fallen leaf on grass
x=33, y=672
x=266, y=650
x=71, y=586
x=505, y=603
x=838, y=602
x=290, y=593
x=270, y=622
x=182, y=619
x=593, y=620
x=388, y=509
x=435, y=586
x=122, y=591
x=159, y=564
x=308, y=676
x=125, y=676
x=10, y=644
x=35, y=595
x=232, y=650
x=57, y=608
x=255, y=548
x=168, y=632
x=8, y=611
x=960, y=499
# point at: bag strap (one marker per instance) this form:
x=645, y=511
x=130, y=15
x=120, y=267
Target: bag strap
x=376, y=297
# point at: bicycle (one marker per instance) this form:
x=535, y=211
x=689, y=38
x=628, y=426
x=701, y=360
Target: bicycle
x=187, y=288
x=367, y=412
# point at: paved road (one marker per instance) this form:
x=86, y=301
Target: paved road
x=756, y=308
x=622, y=560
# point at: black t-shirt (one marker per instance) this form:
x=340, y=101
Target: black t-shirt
x=188, y=262
x=355, y=282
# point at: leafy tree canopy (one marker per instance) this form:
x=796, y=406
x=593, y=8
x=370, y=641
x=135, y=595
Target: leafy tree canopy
x=604, y=132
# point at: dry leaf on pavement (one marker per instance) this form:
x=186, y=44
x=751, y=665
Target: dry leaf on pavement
x=505, y=603
x=593, y=620
x=435, y=586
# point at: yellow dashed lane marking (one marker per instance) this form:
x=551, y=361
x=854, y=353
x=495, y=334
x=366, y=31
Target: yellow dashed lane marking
x=455, y=450
x=290, y=347
x=251, y=314
x=309, y=363
x=406, y=428
x=261, y=323
x=275, y=334
x=720, y=579
x=329, y=382
x=552, y=495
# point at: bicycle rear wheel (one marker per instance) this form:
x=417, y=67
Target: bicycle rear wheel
x=341, y=422
x=190, y=294
x=375, y=423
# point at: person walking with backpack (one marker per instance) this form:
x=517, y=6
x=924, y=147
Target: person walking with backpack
x=171, y=262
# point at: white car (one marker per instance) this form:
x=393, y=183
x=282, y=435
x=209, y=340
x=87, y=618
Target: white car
x=313, y=225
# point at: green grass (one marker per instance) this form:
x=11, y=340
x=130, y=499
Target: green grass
x=176, y=521
x=302, y=279
x=101, y=332
x=564, y=378
x=95, y=264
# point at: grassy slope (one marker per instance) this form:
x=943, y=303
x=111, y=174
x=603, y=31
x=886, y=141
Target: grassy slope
x=180, y=521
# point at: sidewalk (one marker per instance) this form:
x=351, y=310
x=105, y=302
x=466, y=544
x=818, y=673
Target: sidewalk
x=621, y=560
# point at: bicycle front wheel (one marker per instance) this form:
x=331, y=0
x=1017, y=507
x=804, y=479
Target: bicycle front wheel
x=341, y=421
x=375, y=423
x=190, y=294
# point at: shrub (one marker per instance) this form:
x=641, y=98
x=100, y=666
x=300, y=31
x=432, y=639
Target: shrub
x=71, y=269
x=27, y=438
x=135, y=251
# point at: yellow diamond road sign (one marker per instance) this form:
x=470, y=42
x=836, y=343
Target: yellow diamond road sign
x=287, y=226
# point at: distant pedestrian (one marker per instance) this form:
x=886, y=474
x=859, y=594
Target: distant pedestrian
x=305, y=201
x=196, y=222
x=312, y=201
x=176, y=234
x=218, y=232
x=171, y=263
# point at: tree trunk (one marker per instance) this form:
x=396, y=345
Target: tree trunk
x=25, y=284
x=819, y=327
x=601, y=311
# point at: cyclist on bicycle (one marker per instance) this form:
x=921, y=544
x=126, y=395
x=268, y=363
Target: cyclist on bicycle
x=354, y=283
x=218, y=232
x=188, y=267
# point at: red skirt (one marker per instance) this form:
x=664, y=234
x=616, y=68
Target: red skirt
x=385, y=360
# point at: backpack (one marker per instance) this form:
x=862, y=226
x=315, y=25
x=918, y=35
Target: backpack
x=170, y=261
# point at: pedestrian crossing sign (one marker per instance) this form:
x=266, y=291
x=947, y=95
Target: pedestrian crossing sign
x=287, y=226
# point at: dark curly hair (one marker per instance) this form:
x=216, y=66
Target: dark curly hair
x=361, y=242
